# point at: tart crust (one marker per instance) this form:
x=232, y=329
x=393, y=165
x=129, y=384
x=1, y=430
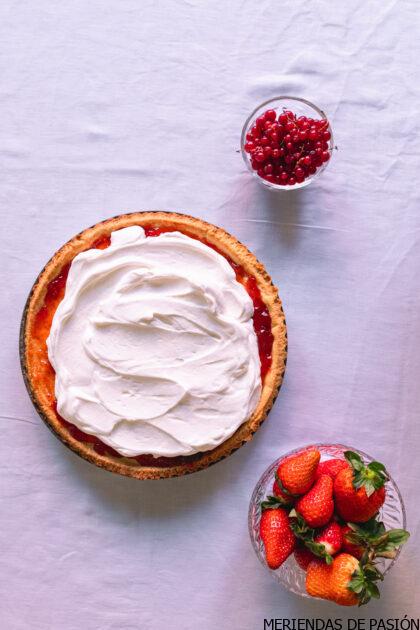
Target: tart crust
x=32, y=354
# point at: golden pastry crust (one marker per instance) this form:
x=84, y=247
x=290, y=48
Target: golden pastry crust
x=40, y=383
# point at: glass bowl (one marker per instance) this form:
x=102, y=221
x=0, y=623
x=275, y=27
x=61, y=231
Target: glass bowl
x=290, y=575
x=300, y=107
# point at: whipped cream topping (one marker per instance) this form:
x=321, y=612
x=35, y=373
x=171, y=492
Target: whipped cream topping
x=153, y=346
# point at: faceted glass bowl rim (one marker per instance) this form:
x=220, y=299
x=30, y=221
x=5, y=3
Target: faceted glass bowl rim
x=247, y=125
x=271, y=469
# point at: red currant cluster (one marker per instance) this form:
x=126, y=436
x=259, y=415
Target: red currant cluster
x=285, y=149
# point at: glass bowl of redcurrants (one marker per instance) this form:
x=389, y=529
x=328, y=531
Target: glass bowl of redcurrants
x=328, y=521
x=286, y=142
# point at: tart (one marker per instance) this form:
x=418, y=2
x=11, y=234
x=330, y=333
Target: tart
x=53, y=289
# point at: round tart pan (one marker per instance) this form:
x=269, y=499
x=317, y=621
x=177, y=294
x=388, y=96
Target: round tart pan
x=39, y=375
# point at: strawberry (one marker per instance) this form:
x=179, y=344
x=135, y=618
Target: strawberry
x=331, y=537
x=328, y=542
x=331, y=467
x=303, y=556
x=296, y=474
x=323, y=544
x=359, y=490
x=317, y=506
x=333, y=581
x=318, y=579
x=278, y=538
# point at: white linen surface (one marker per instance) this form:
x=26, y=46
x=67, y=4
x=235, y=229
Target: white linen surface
x=119, y=106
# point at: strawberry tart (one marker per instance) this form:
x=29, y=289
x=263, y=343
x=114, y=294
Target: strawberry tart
x=153, y=344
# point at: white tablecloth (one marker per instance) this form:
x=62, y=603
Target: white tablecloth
x=119, y=106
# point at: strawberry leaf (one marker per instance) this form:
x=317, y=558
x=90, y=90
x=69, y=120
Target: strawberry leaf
x=387, y=544
x=369, y=530
x=369, y=486
x=398, y=537
x=356, y=585
x=377, y=467
x=374, y=591
x=318, y=549
x=376, y=541
x=354, y=460
x=363, y=582
x=300, y=528
x=356, y=539
x=371, y=477
x=371, y=572
x=272, y=503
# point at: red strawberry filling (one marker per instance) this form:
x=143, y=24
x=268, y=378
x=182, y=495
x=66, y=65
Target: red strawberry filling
x=54, y=295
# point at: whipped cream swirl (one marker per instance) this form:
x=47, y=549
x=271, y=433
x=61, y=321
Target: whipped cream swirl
x=153, y=346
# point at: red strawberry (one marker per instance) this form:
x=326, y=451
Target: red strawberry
x=333, y=581
x=345, y=581
x=331, y=467
x=279, y=540
x=359, y=490
x=349, y=547
x=317, y=506
x=297, y=473
x=328, y=542
x=303, y=556
x=331, y=537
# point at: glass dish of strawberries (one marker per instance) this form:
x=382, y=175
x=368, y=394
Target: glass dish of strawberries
x=329, y=522
x=286, y=142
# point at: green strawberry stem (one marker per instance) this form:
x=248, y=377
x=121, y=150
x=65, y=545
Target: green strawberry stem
x=363, y=582
x=371, y=477
x=300, y=528
x=272, y=503
x=318, y=549
x=376, y=540
x=307, y=534
x=372, y=536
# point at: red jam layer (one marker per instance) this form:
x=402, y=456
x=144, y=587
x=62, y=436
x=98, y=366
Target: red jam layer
x=262, y=327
